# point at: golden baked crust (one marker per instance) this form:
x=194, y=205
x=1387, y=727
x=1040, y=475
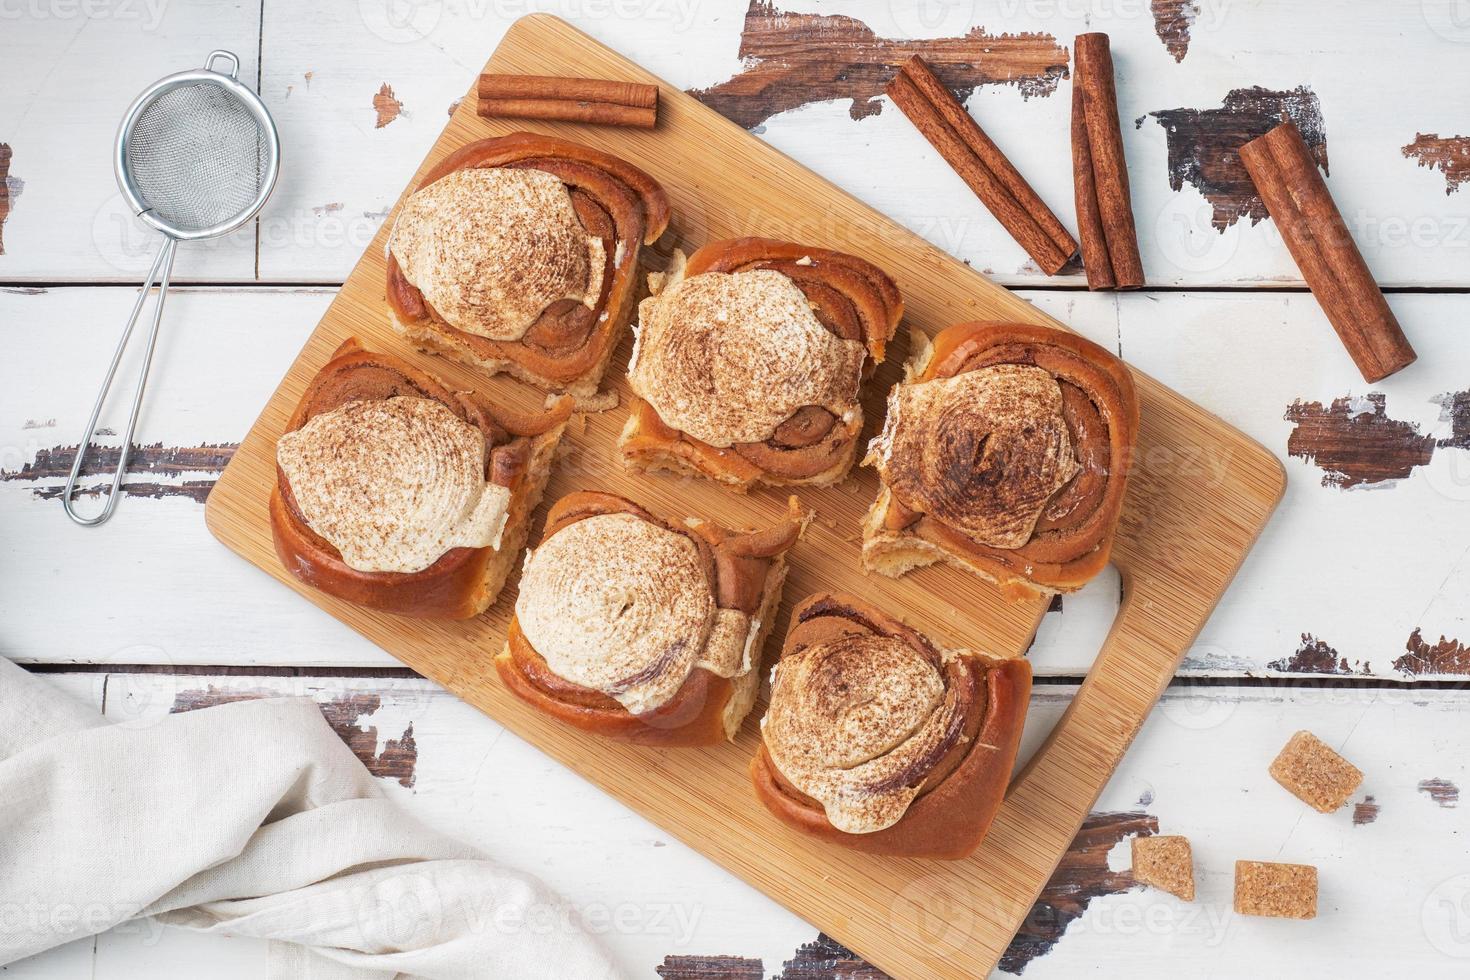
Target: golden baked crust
x=746, y=573
x=937, y=800
x=856, y=303
x=1022, y=491
x=568, y=347
x=463, y=582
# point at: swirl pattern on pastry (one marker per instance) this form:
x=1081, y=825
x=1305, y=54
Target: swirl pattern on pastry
x=641, y=629
x=417, y=464
x=856, y=721
x=571, y=206
x=393, y=483
x=491, y=249
x=1006, y=451
x=982, y=451
x=749, y=360
x=878, y=740
x=617, y=604
x=728, y=357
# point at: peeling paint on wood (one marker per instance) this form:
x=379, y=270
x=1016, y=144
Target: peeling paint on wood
x=209, y=457
x=795, y=59
x=710, y=968
x=824, y=958
x=1441, y=791
x=397, y=760
x=1316, y=657
x=1445, y=657
x=195, y=490
x=54, y=464
x=1082, y=876
x=1172, y=21
x=1365, y=812
x=1355, y=442
x=1454, y=408
x=1450, y=155
x=5, y=196
x=1204, y=144
x=386, y=106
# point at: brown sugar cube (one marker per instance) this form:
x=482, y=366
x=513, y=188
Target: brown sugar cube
x=1165, y=862
x=1286, y=891
x=1311, y=771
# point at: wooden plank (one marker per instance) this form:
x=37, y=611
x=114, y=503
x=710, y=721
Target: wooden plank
x=95, y=595
x=69, y=71
x=1306, y=576
x=195, y=413
x=1369, y=556
x=1173, y=584
x=1198, y=768
x=65, y=220
x=1413, y=234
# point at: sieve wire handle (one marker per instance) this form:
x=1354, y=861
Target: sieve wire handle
x=164, y=262
x=227, y=55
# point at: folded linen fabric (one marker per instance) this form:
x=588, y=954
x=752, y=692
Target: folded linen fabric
x=250, y=819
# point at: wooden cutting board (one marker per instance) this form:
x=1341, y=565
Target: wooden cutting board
x=1200, y=494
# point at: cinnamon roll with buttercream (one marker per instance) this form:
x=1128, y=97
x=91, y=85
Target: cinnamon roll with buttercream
x=1006, y=453
x=520, y=255
x=749, y=359
x=394, y=492
x=642, y=629
x=877, y=739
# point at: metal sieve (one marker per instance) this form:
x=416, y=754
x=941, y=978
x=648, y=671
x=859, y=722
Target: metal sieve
x=196, y=157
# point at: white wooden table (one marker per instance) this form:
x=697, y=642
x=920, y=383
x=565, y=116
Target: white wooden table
x=1348, y=619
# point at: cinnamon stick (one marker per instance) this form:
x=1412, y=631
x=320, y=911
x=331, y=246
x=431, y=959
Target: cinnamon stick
x=589, y=100
x=951, y=130
x=1100, y=172
x=1298, y=201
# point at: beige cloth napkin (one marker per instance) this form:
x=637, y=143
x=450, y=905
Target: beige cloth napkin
x=250, y=819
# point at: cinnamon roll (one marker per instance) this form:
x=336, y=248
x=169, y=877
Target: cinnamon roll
x=520, y=255
x=1004, y=452
x=878, y=740
x=396, y=493
x=642, y=629
x=748, y=362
